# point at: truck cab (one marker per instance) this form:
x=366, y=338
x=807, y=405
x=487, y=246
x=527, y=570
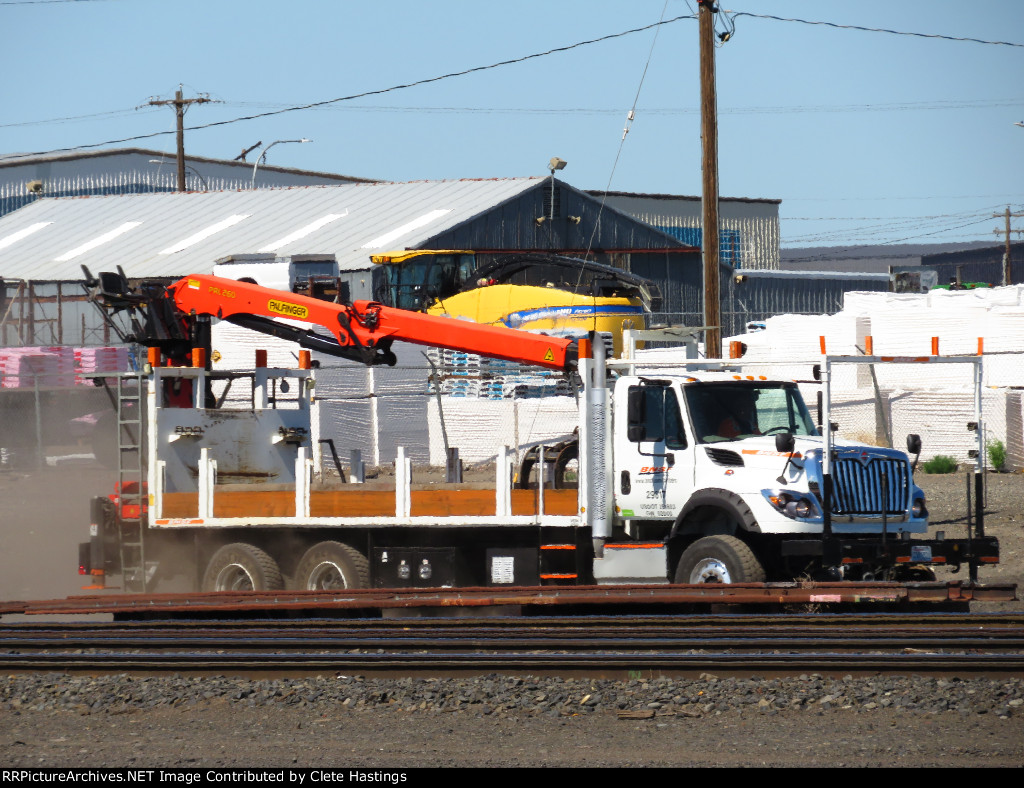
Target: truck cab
x=728, y=470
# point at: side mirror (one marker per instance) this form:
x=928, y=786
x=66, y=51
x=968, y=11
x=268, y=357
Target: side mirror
x=914, y=447
x=784, y=444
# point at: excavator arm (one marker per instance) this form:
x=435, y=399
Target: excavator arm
x=171, y=318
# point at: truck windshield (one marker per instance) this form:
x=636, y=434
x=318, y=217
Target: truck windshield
x=727, y=411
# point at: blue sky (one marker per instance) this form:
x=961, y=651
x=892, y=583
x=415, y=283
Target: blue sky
x=865, y=137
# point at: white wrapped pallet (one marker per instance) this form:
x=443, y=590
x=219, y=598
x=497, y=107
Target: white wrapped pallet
x=479, y=428
x=1014, y=442
x=859, y=416
x=349, y=424
x=941, y=419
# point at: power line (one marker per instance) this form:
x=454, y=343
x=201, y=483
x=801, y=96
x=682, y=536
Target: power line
x=48, y=2
x=420, y=110
x=877, y=30
x=755, y=110
x=869, y=233
x=71, y=118
x=378, y=92
x=477, y=69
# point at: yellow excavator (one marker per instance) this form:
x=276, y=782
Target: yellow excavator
x=553, y=294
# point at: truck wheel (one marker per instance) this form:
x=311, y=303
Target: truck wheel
x=242, y=567
x=719, y=559
x=330, y=566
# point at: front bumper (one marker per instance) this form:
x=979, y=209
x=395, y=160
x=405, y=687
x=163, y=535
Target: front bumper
x=873, y=552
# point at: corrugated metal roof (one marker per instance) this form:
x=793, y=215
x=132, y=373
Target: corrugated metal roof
x=168, y=235
x=598, y=193
x=15, y=160
x=811, y=276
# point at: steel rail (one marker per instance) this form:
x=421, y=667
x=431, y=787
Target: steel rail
x=675, y=622
x=602, y=662
x=934, y=643
x=550, y=598
x=996, y=631
x=241, y=641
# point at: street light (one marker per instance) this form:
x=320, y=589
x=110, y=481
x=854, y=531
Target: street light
x=555, y=164
x=263, y=155
x=194, y=171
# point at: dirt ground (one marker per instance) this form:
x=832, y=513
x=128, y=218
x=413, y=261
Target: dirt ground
x=216, y=734
x=45, y=515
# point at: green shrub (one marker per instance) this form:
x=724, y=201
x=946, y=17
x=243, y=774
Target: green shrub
x=940, y=463
x=996, y=454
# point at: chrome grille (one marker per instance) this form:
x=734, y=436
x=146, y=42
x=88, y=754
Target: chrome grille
x=857, y=488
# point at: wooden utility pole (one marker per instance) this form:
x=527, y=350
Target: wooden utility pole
x=709, y=184
x=180, y=104
x=1007, y=262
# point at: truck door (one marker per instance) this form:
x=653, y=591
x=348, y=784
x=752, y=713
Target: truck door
x=653, y=462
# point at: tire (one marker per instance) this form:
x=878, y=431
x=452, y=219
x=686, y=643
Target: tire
x=332, y=566
x=242, y=567
x=719, y=559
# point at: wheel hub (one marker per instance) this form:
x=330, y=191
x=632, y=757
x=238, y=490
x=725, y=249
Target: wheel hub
x=234, y=577
x=710, y=570
x=326, y=576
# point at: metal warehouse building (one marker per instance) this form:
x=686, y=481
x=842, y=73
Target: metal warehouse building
x=44, y=244
x=748, y=228
x=755, y=296
x=27, y=178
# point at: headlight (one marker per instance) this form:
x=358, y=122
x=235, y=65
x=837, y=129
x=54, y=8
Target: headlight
x=918, y=510
x=798, y=505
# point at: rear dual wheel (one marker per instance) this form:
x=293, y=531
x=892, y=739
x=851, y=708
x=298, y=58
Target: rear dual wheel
x=332, y=566
x=327, y=566
x=242, y=567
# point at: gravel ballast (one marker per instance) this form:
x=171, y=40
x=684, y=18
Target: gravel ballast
x=58, y=720
x=120, y=720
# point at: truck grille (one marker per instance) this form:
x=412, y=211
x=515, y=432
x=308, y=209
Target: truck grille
x=857, y=488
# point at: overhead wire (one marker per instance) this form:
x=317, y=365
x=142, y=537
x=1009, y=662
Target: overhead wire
x=625, y=131
x=753, y=110
x=630, y=116
x=73, y=118
x=871, y=232
x=377, y=92
x=732, y=16
x=47, y=2
x=735, y=15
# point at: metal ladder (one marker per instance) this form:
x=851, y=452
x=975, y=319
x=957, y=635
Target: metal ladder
x=559, y=557
x=131, y=496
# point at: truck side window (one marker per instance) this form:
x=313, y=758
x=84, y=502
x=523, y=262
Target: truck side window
x=660, y=417
x=675, y=437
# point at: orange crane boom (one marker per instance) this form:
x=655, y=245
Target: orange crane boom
x=363, y=331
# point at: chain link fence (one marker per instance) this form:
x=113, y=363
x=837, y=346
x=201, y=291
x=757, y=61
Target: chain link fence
x=460, y=401
x=50, y=413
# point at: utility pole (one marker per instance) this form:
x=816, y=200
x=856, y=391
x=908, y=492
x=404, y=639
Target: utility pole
x=1007, y=262
x=180, y=104
x=709, y=183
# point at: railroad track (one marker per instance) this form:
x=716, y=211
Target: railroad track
x=597, y=645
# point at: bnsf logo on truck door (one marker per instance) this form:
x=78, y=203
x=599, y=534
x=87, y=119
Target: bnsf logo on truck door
x=286, y=309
